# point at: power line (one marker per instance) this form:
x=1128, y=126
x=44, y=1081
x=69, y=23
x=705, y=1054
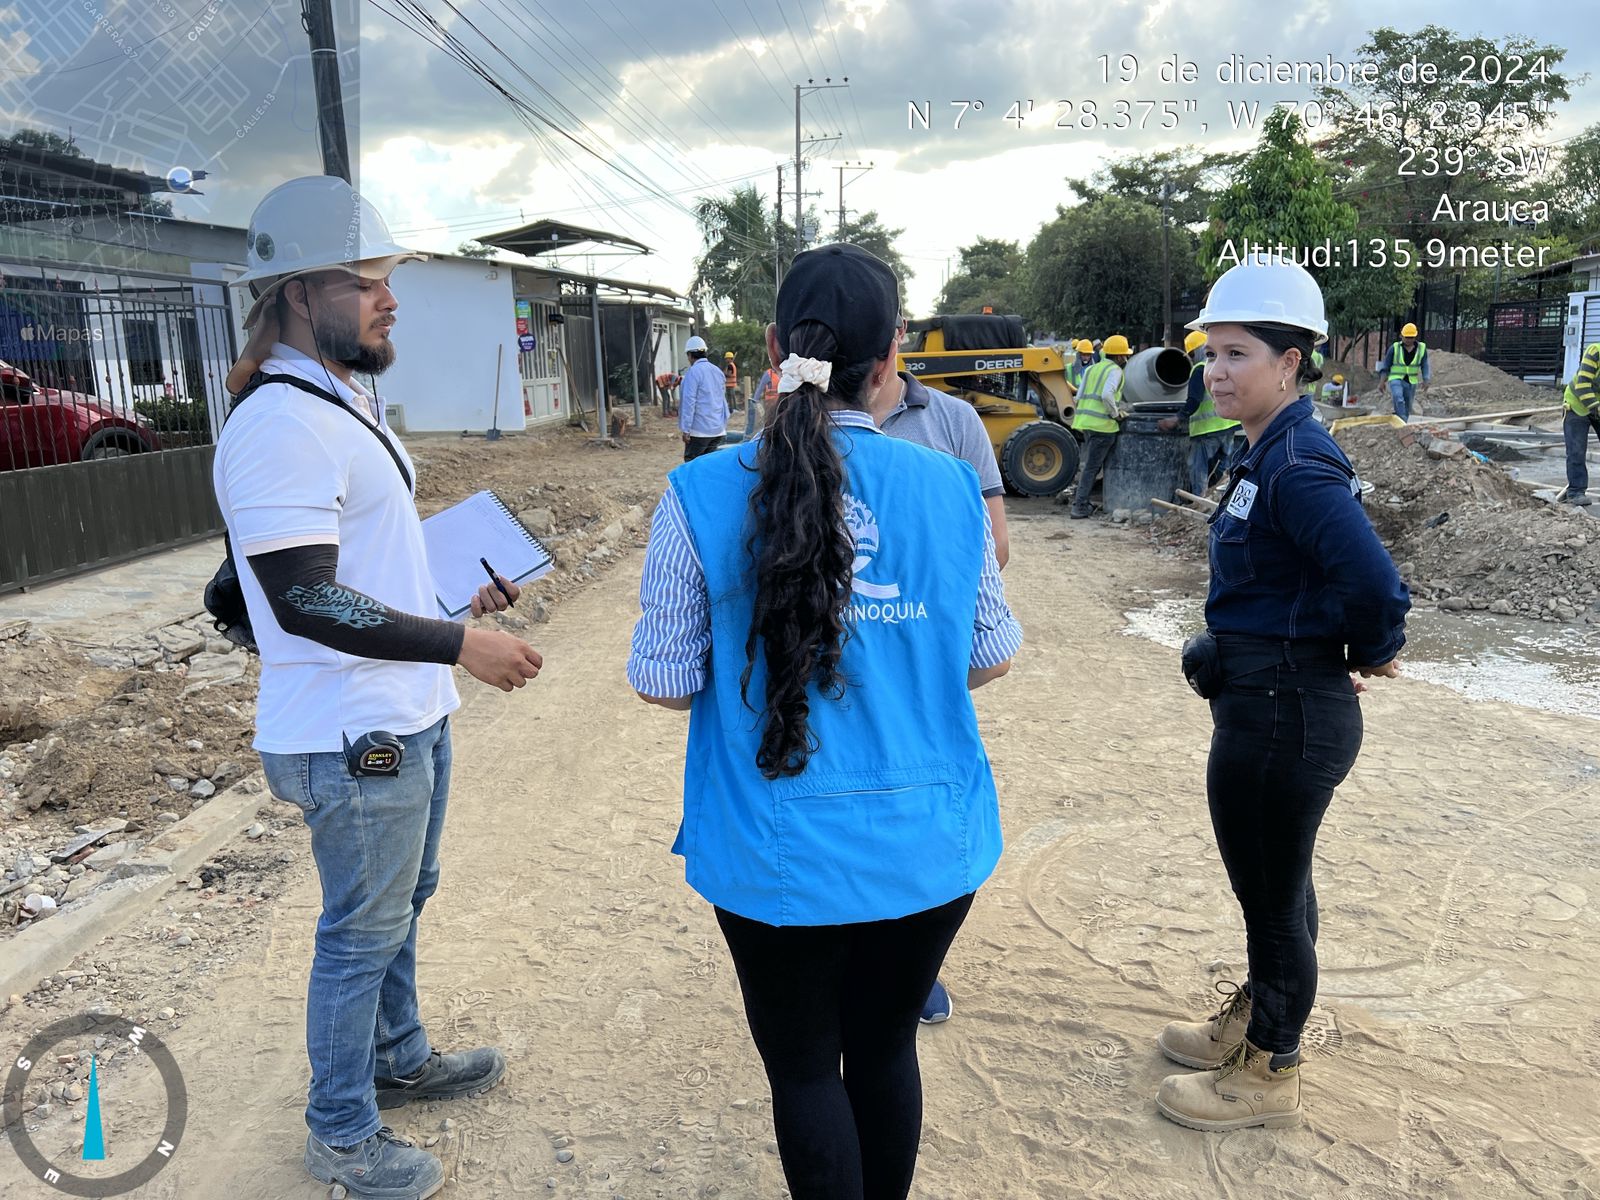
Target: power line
x=830, y=109
x=656, y=132
x=755, y=61
x=99, y=62
x=416, y=19
x=649, y=62
x=529, y=113
x=501, y=216
x=851, y=92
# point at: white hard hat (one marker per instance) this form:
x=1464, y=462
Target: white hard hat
x=1266, y=288
x=315, y=223
x=695, y=343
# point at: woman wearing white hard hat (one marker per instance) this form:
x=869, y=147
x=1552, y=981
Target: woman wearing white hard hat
x=1303, y=596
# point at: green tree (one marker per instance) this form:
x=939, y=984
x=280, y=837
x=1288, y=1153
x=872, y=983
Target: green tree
x=40, y=139
x=747, y=340
x=1096, y=270
x=1402, y=120
x=1577, y=189
x=991, y=271
x=869, y=232
x=1193, y=177
x=737, y=265
x=475, y=249
x=1283, y=194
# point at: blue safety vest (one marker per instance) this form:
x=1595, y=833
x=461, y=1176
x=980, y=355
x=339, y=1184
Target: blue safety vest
x=896, y=811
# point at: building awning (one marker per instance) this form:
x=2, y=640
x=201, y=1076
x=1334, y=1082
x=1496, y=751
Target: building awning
x=547, y=237
x=39, y=184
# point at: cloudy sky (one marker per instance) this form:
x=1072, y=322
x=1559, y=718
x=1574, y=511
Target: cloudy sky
x=635, y=108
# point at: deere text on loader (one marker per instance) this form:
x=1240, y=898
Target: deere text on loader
x=1020, y=391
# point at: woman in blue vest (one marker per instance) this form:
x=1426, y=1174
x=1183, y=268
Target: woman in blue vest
x=820, y=601
x=1302, y=596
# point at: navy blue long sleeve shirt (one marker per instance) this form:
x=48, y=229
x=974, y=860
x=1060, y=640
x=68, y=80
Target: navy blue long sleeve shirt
x=1293, y=554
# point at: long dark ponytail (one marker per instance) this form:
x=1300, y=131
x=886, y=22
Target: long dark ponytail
x=802, y=555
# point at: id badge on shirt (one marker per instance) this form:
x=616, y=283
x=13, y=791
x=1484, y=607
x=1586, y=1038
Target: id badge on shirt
x=1244, y=499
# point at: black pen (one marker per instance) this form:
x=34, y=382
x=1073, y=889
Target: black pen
x=496, y=580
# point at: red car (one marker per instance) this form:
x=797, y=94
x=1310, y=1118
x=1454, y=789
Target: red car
x=43, y=426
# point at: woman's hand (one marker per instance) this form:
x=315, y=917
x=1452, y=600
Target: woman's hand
x=255, y=351
x=1389, y=670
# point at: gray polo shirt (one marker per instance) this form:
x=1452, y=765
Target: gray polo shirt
x=948, y=423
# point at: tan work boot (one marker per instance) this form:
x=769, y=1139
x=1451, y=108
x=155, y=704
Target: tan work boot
x=1205, y=1045
x=1244, y=1091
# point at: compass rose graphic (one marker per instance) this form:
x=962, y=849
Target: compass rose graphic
x=139, y=1050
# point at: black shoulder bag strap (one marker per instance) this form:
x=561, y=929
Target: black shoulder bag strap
x=259, y=379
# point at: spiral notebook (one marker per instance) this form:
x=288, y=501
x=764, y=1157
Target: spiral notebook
x=481, y=526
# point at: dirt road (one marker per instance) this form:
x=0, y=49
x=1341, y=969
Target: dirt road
x=1452, y=1052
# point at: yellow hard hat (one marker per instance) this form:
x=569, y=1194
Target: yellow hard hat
x=1085, y=347
x=1408, y=330
x=1338, y=378
x=1116, y=344
x=1194, y=341
x=727, y=354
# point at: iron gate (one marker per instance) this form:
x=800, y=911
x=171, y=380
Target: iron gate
x=1525, y=336
x=111, y=394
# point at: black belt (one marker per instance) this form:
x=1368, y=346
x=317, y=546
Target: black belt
x=1294, y=653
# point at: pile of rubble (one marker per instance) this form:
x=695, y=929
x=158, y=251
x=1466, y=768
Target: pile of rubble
x=1463, y=533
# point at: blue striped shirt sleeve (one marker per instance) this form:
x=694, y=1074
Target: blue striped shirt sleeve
x=672, y=641
x=996, y=634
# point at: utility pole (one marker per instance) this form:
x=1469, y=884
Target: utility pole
x=862, y=167
x=800, y=90
x=777, y=234
x=1166, y=266
x=316, y=18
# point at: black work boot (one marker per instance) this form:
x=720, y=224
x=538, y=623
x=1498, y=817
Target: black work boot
x=444, y=1077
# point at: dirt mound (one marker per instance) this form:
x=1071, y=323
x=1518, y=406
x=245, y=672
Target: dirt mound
x=1463, y=385
x=137, y=734
x=1463, y=533
x=1418, y=474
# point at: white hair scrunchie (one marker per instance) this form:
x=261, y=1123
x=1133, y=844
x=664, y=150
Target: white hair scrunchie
x=795, y=371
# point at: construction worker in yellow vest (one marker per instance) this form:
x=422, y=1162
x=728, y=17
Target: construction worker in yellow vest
x=1097, y=416
x=1335, y=393
x=1211, y=437
x=1583, y=413
x=1083, y=359
x=1404, y=369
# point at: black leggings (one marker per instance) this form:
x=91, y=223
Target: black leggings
x=816, y=995
x=1287, y=732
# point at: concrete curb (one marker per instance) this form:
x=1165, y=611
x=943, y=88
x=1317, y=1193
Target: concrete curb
x=135, y=886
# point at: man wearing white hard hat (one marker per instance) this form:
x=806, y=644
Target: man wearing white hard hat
x=356, y=689
x=702, y=402
x=1303, y=597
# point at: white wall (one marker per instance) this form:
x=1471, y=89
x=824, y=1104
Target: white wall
x=455, y=315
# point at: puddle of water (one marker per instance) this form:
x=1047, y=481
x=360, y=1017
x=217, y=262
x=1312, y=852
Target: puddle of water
x=1551, y=667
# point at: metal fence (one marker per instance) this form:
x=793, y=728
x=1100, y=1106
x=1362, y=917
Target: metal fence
x=1525, y=337
x=111, y=396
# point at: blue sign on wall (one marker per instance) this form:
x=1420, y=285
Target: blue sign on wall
x=525, y=343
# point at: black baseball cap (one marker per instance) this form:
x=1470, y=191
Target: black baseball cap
x=850, y=290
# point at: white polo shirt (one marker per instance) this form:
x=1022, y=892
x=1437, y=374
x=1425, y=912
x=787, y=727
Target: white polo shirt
x=292, y=470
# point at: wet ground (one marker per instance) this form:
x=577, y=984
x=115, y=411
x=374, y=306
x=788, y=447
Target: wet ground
x=1551, y=667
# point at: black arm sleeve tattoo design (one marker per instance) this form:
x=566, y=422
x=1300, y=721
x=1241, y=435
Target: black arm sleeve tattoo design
x=308, y=601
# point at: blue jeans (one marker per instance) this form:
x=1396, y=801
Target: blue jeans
x=375, y=840
x=1575, y=428
x=1401, y=392
x=1206, y=451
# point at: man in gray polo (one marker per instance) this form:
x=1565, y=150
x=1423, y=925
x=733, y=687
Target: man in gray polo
x=904, y=408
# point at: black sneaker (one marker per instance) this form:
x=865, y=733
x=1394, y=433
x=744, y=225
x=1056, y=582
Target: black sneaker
x=384, y=1167
x=444, y=1077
